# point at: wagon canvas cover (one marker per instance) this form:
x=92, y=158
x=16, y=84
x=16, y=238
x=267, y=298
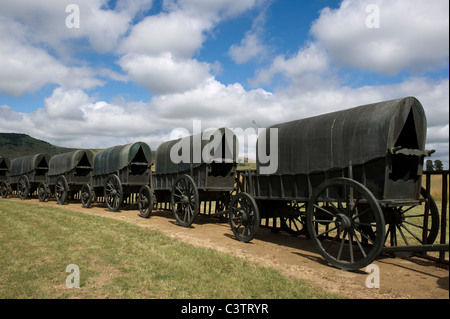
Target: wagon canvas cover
x=63, y=163
x=114, y=159
x=219, y=145
x=359, y=134
x=27, y=164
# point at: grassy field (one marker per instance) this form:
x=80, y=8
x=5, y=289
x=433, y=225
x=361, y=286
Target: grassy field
x=120, y=260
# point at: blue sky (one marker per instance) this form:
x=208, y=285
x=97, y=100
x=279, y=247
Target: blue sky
x=136, y=70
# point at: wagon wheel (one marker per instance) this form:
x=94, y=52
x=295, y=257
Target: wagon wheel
x=61, y=190
x=113, y=193
x=185, y=200
x=23, y=187
x=346, y=223
x=87, y=195
x=293, y=225
x=4, y=189
x=42, y=192
x=244, y=217
x=145, y=202
x=404, y=224
x=295, y=222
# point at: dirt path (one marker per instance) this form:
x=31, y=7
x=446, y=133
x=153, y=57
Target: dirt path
x=399, y=278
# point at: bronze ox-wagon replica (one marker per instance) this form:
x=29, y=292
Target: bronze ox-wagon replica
x=25, y=175
x=350, y=180
x=192, y=170
x=117, y=173
x=67, y=173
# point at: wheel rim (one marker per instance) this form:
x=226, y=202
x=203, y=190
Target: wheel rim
x=61, y=190
x=345, y=223
x=23, y=187
x=404, y=224
x=113, y=193
x=4, y=189
x=86, y=195
x=185, y=200
x=244, y=217
x=145, y=202
x=42, y=192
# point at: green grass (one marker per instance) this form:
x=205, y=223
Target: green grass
x=121, y=260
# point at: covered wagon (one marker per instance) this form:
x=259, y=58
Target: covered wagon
x=193, y=169
x=67, y=174
x=350, y=180
x=26, y=173
x=117, y=173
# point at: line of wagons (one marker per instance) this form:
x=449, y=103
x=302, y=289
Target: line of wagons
x=348, y=180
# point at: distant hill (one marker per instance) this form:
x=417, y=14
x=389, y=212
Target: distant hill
x=13, y=145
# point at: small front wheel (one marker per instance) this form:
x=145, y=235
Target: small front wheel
x=61, y=190
x=145, y=201
x=23, y=187
x=87, y=195
x=244, y=217
x=42, y=192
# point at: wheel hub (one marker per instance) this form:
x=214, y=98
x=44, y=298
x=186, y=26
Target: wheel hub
x=185, y=200
x=397, y=217
x=343, y=222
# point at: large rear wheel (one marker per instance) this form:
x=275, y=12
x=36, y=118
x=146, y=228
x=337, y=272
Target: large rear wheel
x=113, y=193
x=346, y=223
x=185, y=200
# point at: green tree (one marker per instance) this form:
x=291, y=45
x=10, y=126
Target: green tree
x=438, y=165
x=430, y=166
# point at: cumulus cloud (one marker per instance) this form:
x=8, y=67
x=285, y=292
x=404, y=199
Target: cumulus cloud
x=102, y=26
x=164, y=73
x=309, y=61
x=251, y=45
x=27, y=68
x=412, y=35
x=174, y=32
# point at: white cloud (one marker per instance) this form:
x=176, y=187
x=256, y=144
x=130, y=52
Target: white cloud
x=66, y=104
x=26, y=68
x=101, y=26
x=413, y=35
x=211, y=10
x=174, y=32
x=309, y=61
x=164, y=73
